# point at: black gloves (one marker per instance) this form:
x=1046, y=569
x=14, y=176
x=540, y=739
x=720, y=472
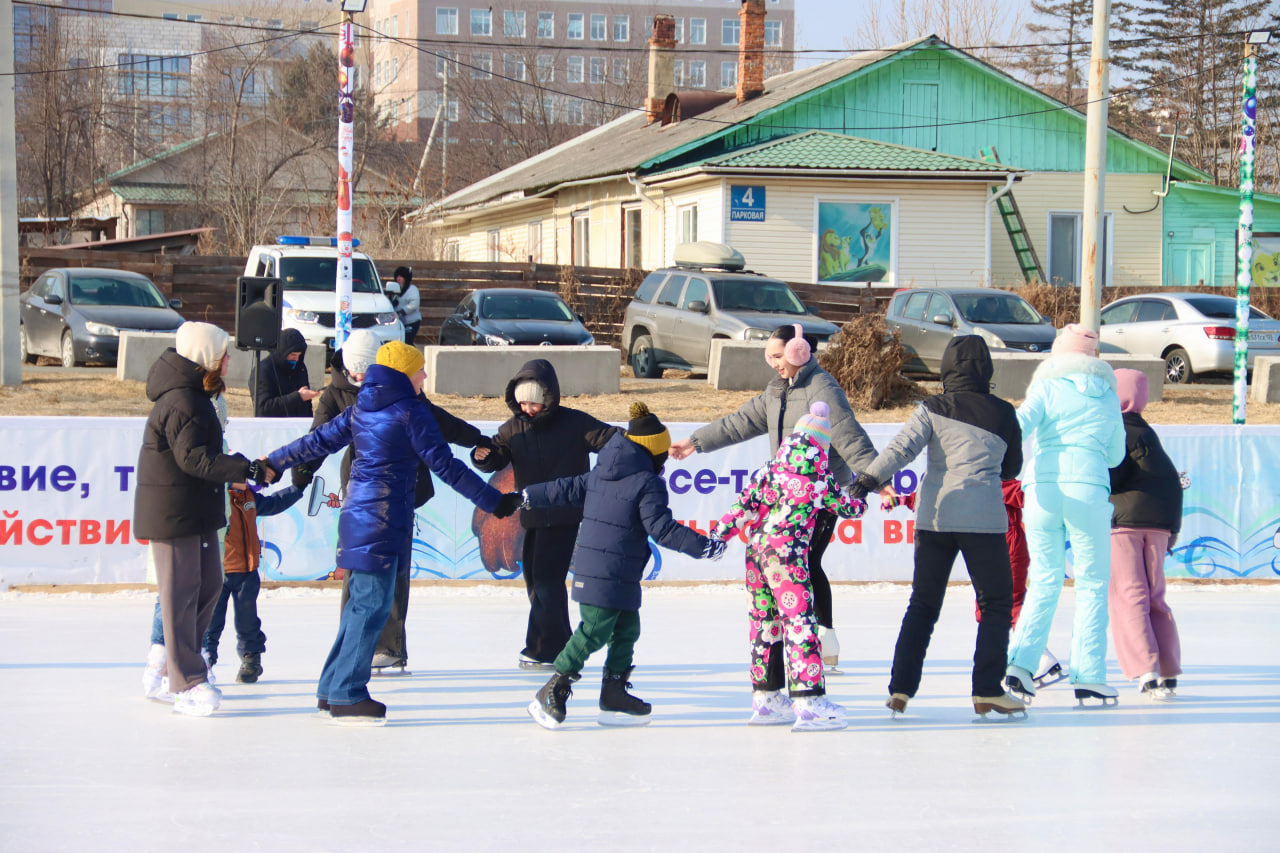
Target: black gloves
x=862, y=485
x=260, y=472
x=302, y=475
x=507, y=505
x=713, y=550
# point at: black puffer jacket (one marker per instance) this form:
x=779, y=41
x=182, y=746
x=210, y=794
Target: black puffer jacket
x=181, y=467
x=558, y=442
x=275, y=384
x=341, y=394
x=1146, y=490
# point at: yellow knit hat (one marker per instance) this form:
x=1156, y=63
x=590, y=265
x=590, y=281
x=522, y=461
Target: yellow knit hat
x=647, y=431
x=400, y=356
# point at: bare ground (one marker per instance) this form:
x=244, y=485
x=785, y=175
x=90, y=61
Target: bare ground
x=97, y=393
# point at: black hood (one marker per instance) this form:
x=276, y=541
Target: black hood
x=966, y=365
x=291, y=340
x=172, y=371
x=539, y=370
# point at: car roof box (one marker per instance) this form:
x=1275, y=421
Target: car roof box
x=704, y=254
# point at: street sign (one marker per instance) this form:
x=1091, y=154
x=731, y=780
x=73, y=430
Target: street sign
x=746, y=204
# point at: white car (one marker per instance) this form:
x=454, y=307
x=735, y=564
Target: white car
x=307, y=269
x=1193, y=332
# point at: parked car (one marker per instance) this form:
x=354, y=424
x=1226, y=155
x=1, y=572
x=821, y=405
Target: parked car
x=678, y=311
x=1193, y=332
x=77, y=314
x=512, y=316
x=927, y=318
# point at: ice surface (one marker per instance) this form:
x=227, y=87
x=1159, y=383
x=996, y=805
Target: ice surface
x=86, y=764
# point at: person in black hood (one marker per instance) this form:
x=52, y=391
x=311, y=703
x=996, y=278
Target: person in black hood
x=544, y=441
x=974, y=443
x=280, y=385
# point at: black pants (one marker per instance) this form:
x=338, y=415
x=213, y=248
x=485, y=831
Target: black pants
x=240, y=589
x=392, y=641
x=411, y=331
x=546, y=557
x=823, y=528
x=987, y=557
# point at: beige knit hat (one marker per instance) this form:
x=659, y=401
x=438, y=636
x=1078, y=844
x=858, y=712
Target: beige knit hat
x=203, y=343
x=530, y=391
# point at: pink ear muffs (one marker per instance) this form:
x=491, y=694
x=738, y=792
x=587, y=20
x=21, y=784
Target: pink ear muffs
x=797, y=350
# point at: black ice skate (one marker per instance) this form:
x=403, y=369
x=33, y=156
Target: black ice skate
x=547, y=707
x=369, y=712
x=385, y=665
x=1094, y=696
x=1006, y=707
x=617, y=706
x=250, y=668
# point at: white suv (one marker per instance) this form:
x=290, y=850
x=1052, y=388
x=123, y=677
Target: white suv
x=307, y=269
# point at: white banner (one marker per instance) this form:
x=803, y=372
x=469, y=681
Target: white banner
x=66, y=501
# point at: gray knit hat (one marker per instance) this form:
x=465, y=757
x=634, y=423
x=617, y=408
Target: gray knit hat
x=530, y=391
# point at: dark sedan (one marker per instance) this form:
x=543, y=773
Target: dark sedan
x=513, y=317
x=77, y=314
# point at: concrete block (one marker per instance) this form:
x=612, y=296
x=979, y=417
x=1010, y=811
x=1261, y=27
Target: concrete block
x=139, y=350
x=738, y=366
x=485, y=371
x=1265, y=387
x=1013, y=371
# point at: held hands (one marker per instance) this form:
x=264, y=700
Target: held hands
x=713, y=550
x=301, y=475
x=261, y=472
x=307, y=394
x=862, y=485
x=682, y=449
x=507, y=505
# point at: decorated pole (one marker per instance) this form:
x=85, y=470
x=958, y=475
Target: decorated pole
x=1244, y=236
x=346, y=146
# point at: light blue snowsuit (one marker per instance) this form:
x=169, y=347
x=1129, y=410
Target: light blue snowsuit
x=1073, y=415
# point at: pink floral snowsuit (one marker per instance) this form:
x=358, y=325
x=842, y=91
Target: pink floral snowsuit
x=777, y=512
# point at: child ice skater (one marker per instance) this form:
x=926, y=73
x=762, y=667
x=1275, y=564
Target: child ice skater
x=777, y=511
x=1146, y=496
x=623, y=503
x=241, y=555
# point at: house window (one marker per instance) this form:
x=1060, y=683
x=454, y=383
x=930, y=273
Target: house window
x=154, y=75
x=728, y=74
x=697, y=31
x=452, y=251
x=698, y=74
x=148, y=221
x=1066, y=243
x=481, y=66
x=620, y=71
x=598, y=23
x=481, y=22
x=546, y=69
x=573, y=69
x=577, y=21
x=533, y=244
x=546, y=25
x=597, y=69
x=446, y=22
x=631, y=233
x=729, y=31
x=513, y=24
x=622, y=28
x=493, y=245
x=688, y=223
x=773, y=33
x=513, y=66
x=573, y=112
x=581, y=238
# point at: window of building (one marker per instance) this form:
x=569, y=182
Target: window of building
x=546, y=69
x=451, y=113
x=622, y=28
x=697, y=31
x=446, y=22
x=546, y=25
x=481, y=22
x=581, y=238
x=514, y=113
x=481, y=112
x=577, y=21
x=395, y=26
x=154, y=75
x=598, y=24
x=698, y=74
x=549, y=111
x=620, y=71
x=452, y=251
x=573, y=69
x=597, y=69
x=1066, y=244
x=573, y=112
x=493, y=245
x=148, y=221
x=773, y=33
x=513, y=67
x=533, y=242
x=632, y=230
x=513, y=24
x=678, y=69
x=679, y=30
x=728, y=74
x=729, y=31
x=481, y=66
x=688, y=223
x=395, y=68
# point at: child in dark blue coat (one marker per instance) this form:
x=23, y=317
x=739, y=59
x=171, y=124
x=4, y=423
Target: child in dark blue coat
x=624, y=502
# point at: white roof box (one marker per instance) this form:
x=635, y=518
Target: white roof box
x=704, y=254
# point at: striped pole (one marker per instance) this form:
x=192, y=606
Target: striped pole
x=346, y=146
x=1244, y=236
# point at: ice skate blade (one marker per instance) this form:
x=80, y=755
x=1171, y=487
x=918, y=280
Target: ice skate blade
x=193, y=710
x=536, y=665
x=996, y=716
x=356, y=722
x=807, y=726
x=620, y=719
x=831, y=669
x=772, y=720
x=1053, y=676
x=1090, y=701
x=897, y=705
x=390, y=672
x=541, y=717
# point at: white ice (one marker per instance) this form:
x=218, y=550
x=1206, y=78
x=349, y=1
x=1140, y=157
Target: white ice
x=86, y=764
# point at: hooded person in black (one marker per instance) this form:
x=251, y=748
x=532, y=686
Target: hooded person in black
x=544, y=441
x=974, y=443
x=280, y=385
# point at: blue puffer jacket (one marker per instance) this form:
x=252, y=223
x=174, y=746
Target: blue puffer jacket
x=1073, y=415
x=390, y=428
x=623, y=503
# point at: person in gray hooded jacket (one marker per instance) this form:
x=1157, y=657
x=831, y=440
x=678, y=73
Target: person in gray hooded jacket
x=973, y=443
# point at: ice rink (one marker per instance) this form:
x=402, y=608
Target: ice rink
x=87, y=764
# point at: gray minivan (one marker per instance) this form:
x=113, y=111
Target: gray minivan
x=927, y=318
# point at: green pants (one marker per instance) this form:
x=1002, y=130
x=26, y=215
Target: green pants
x=601, y=626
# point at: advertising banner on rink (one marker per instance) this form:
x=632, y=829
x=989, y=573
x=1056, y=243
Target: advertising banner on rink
x=66, y=509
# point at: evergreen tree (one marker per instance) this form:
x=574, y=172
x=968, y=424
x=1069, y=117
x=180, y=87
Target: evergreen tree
x=1061, y=66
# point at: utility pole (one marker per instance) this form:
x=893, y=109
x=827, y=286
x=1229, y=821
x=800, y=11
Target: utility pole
x=1244, y=234
x=1092, y=261
x=10, y=356
x=346, y=150
x=444, y=140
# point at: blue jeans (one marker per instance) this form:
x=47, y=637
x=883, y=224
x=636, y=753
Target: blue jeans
x=157, y=626
x=241, y=588
x=345, y=677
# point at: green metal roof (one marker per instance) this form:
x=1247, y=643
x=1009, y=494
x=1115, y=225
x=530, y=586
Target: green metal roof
x=820, y=149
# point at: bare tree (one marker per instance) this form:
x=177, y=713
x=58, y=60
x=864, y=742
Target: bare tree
x=970, y=24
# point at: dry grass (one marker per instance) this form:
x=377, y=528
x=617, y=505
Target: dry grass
x=684, y=399
x=867, y=362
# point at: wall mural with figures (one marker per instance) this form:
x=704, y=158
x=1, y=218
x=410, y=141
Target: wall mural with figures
x=856, y=241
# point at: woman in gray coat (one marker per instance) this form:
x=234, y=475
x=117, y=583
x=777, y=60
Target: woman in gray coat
x=800, y=383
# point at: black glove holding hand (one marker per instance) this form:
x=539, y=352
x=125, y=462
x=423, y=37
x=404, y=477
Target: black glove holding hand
x=507, y=505
x=862, y=486
x=302, y=475
x=262, y=473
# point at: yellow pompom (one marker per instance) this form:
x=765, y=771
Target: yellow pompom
x=638, y=410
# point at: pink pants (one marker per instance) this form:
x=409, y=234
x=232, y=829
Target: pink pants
x=1142, y=625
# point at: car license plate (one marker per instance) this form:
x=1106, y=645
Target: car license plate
x=1262, y=337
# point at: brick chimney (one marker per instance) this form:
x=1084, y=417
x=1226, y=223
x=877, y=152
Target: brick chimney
x=662, y=64
x=751, y=50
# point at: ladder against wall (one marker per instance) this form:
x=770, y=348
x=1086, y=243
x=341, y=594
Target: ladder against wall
x=1023, y=249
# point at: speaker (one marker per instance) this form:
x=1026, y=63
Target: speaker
x=259, y=312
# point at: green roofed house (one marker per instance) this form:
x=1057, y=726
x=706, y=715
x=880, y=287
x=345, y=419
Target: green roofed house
x=868, y=168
